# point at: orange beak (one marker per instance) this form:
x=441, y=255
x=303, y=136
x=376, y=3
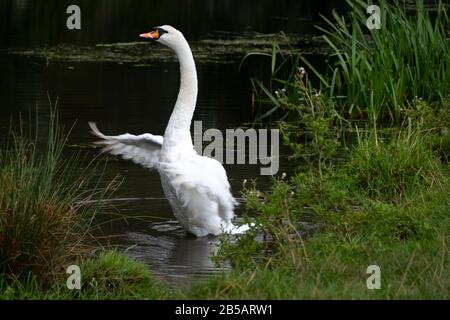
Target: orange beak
x=150, y=35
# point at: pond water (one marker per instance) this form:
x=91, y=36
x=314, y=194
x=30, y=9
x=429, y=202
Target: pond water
x=126, y=98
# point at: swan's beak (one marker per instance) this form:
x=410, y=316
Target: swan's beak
x=150, y=35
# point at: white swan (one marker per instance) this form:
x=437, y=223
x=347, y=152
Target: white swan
x=197, y=187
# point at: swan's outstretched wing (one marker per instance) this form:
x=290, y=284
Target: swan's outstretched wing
x=144, y=149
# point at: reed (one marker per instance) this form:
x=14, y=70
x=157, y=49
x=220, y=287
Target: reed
x=378, y=71
x=370, y=74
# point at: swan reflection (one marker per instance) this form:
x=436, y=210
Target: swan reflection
x=172, y=253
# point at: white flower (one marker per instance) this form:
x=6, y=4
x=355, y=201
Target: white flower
x=302, y=71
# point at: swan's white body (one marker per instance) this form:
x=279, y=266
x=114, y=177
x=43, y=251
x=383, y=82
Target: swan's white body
x=197, y=187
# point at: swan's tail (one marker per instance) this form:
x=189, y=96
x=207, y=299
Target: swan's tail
x=95, y=131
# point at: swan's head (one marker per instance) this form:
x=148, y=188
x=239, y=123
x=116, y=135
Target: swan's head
x=166, y=35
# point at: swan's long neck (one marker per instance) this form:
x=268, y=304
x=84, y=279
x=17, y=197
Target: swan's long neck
x=178, y=128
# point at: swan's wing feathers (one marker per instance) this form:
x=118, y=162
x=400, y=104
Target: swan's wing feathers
x=144, y=149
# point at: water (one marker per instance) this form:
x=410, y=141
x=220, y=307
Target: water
x=124, y=98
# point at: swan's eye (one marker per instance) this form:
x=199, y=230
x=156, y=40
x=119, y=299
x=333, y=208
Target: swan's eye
x=161, y=31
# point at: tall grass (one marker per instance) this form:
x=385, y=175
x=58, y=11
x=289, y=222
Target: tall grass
x=46, y=216
x=388, y=168
x=374, y=73
x=379, y=70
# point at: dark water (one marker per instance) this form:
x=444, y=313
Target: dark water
x=42, y=22
x=124, y=98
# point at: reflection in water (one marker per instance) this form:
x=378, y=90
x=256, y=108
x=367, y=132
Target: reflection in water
x=172, y=253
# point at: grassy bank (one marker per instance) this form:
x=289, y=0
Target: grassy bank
x=324, y=228
x=372, y=186
x=105, y=275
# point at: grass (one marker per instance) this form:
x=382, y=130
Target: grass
x=379, y=70
x=334, y=269
x=388, y=170
x=373, y=73
x=355, y=224
x=108, y=275
x=46, y=212
x=365, y=193
x=47, y=222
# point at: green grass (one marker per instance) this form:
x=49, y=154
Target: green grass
x=109, y=275
x=369, y=192
x=371, y=74
x=405, y=233
x=386, y=170
x=378, y=71
x=334, y=268
x=46, y=212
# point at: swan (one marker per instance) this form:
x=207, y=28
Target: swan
x=196, y=187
